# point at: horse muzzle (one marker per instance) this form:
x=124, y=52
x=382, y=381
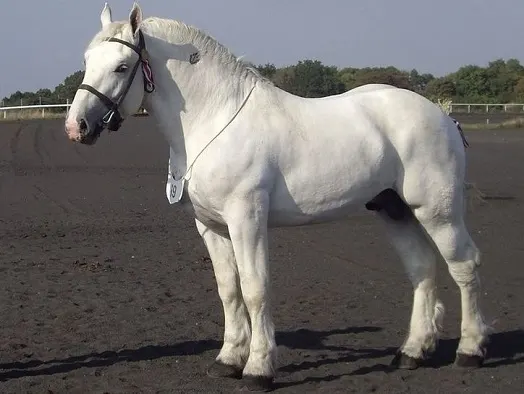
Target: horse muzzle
x=81, y=131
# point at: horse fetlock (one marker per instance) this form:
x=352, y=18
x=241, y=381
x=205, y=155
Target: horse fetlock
x=473, y=345
x=472, y=349
x=261, y=363
x=429, y=345
x=234, y=354
x=260, y=371
x=421, y=347
x=415, y=352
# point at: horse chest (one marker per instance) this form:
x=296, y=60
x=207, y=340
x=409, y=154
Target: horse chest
x=207, y=208
x=211, y=219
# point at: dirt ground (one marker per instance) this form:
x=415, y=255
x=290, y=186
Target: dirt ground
x=105, y=288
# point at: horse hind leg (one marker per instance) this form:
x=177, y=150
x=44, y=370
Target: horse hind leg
x=445, y=225
x=418, y=256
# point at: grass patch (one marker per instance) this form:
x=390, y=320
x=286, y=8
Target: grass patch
x=29, y=114
x=516, y=123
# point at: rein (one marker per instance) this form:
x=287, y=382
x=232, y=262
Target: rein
x=113, y=119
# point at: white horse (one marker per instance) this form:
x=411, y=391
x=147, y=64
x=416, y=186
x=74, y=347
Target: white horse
x=248, y=156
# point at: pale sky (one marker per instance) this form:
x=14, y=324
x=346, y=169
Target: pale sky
x=42, y=41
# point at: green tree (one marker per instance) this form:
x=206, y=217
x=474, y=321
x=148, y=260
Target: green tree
x=284, y=78
x=501, y=81
x=268, y=70
x=472, y=84
x=67, y=89
x=313, y=79
x=518, y=90
x=442, y=88
x=387, y=75
x=419, y=82
x=514, y=66
x=45, y=96
x=348, y=76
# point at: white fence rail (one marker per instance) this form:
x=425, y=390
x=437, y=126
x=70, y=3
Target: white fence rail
x=42, y=108
x=453, y=107
x=509, y=107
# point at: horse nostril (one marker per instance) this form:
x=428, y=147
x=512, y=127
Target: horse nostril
x=82, y=125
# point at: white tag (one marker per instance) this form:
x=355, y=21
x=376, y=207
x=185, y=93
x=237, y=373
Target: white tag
x=174, y=187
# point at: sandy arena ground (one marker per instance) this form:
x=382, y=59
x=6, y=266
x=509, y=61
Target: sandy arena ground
x=105, y=288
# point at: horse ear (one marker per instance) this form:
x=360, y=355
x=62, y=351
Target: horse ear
x=135, y=17
x=105, y=16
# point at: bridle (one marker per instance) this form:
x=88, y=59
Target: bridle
x=113, y=119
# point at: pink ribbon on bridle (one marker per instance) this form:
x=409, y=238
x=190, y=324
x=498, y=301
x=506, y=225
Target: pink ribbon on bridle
x=149, y=83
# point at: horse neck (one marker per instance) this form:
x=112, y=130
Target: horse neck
x=192, y=103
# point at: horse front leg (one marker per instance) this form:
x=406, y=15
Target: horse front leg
x=247, y=223
x=237, y=333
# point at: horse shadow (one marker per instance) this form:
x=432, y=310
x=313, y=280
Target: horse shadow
x=103, y=359
x=506, y=348
x=295, y=339
x=314, y=340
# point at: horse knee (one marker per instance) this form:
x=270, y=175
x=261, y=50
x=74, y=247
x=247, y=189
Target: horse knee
x=228, y=288
x=254, y=299
x=464, y=272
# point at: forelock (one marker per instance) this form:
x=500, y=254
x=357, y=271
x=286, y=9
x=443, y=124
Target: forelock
x=111, y=30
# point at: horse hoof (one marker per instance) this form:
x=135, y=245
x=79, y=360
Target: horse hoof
x=468, y=361
x=255, y=384
x=403, y=361
x=220, y=370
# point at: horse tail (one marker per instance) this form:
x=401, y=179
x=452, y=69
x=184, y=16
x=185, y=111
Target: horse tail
x=472, y=193
x=462, y=135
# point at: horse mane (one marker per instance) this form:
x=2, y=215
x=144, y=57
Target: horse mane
x=179, y=33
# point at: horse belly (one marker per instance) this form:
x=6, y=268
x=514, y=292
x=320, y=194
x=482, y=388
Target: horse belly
x=291, y=209
x=317, y=190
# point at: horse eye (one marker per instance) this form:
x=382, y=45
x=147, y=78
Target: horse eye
x=122, y=68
